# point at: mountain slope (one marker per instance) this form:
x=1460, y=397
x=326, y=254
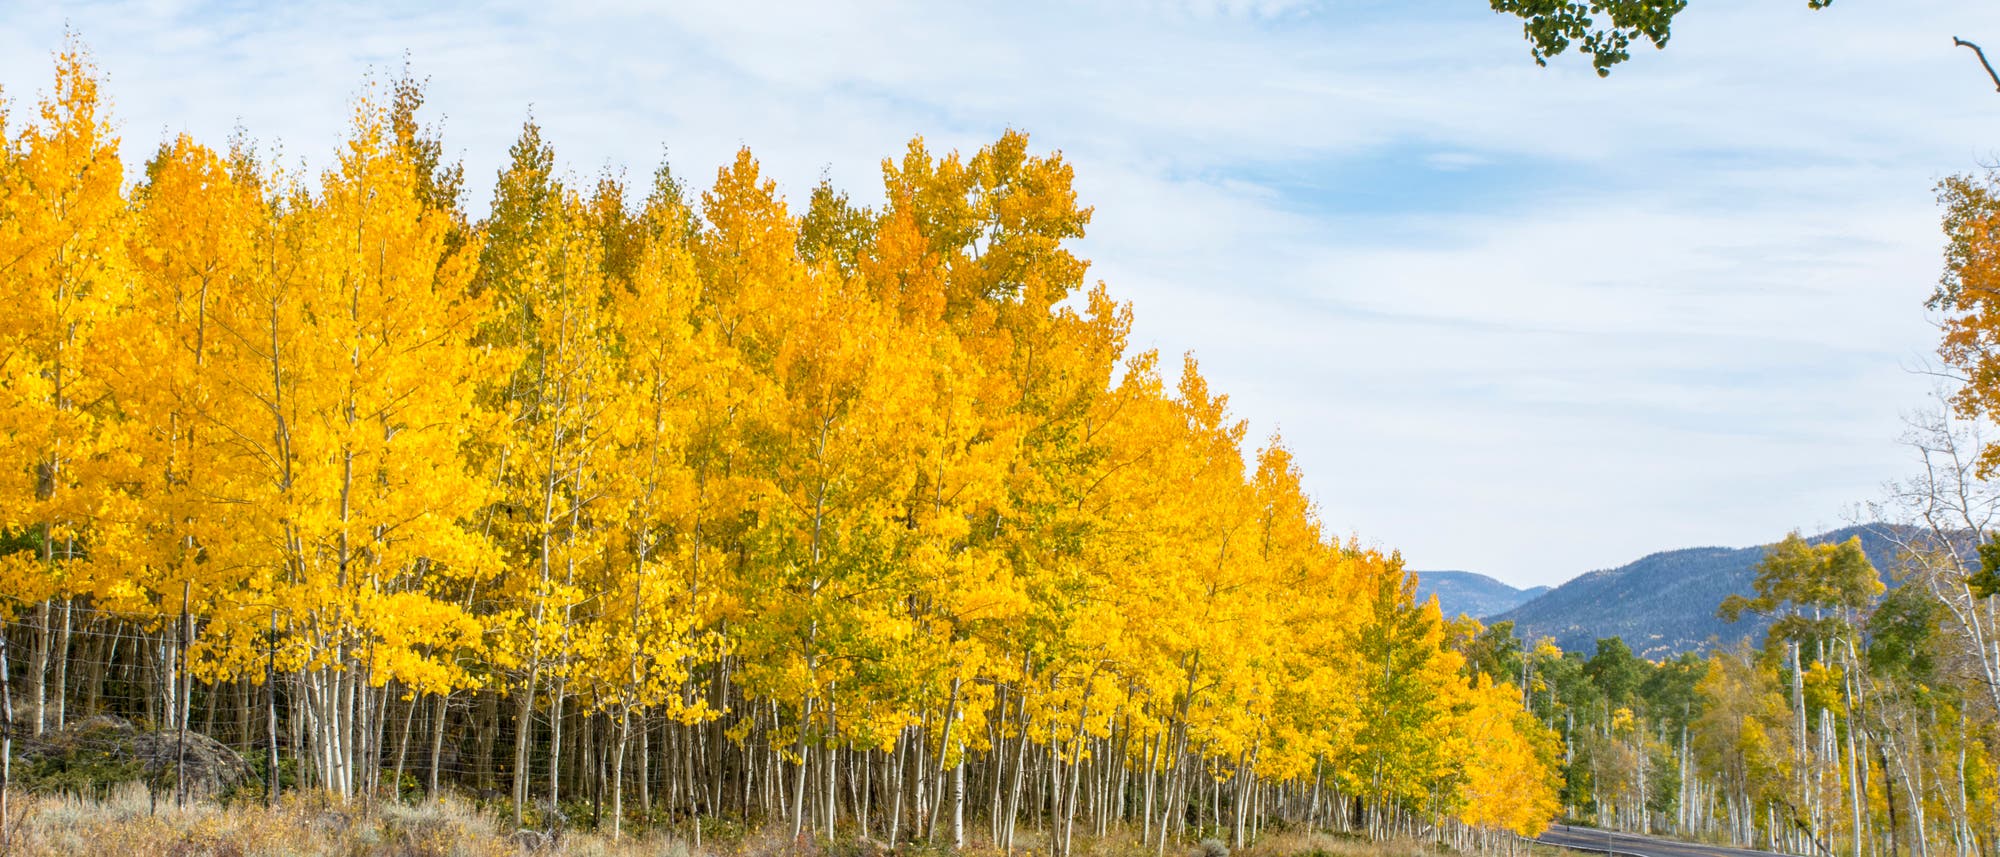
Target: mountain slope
x=1665, y=603
x=1472, y=594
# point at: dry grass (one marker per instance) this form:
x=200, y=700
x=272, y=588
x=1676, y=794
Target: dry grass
x=129, y=823
x=1294, y=843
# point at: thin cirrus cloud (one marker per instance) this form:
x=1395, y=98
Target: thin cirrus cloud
x=1512, y=319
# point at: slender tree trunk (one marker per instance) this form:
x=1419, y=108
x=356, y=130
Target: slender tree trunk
x=6, y=744
x=38, y=662
x=799, y=782
x=437, y=745
x=556, y=700
x=958, y=803
x=61, y=716
x=618, y=771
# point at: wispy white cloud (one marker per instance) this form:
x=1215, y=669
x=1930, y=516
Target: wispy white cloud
x=1513, y=319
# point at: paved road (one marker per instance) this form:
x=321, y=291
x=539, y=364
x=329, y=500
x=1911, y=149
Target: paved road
x=1633, y=845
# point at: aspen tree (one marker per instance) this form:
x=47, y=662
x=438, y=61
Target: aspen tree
x=365, y=394
x=199, y=216
x=62, y=218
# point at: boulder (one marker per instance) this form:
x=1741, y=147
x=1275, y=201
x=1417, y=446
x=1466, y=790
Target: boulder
x=91, y=755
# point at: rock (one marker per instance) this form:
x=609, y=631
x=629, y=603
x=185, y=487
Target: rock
x=94, y=754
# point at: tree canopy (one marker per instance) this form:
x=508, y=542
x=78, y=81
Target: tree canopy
x=1604, y=30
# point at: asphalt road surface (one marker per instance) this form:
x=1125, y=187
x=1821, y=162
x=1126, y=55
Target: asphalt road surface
x=1633, y=845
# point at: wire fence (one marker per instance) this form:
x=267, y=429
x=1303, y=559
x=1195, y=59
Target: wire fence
x=91, y=698
x=88, y=697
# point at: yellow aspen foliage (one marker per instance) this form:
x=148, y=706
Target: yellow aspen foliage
x=63, y=264
x=1505, y=760
x=197, y=247
x=1966, y=295
x=355, y=395
x=856, y=517
x=1740, y=735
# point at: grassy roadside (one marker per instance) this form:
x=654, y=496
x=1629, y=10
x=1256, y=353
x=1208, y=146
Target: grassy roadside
x=129, y=823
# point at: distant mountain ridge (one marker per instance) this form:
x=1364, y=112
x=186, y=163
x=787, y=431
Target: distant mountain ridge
x=1471, y=594
x=1665, y=603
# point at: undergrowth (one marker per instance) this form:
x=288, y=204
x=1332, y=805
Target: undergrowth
x=130, y=821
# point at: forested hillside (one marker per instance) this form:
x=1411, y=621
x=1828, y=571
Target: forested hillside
x=681, y=506
x=1465, y=593
x=1664, y=604
x=1860, y=720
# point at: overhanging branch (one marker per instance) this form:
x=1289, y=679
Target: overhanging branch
x=1982, y=60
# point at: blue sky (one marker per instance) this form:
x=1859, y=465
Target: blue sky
x=1515, y=320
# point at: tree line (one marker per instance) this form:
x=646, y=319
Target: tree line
x=863, y=521
x=1863, y=724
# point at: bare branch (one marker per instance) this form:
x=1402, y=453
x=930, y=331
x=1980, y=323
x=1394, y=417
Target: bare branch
x=1982, y=60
